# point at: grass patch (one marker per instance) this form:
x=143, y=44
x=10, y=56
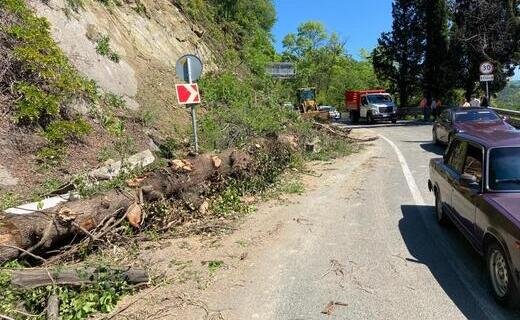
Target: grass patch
x=215, y=265
x=331, y=148
x=8, y=200
x=293, y=187
x=47, y=187
x=229, y=203
x=103, y=48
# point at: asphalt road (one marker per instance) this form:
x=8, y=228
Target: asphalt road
x=367, y=238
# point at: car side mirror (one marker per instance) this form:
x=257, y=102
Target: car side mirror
x=469, y=181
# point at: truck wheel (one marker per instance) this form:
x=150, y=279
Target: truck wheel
x=500, y=277
x=442, y=219
x=354, y=117
x=370, y=119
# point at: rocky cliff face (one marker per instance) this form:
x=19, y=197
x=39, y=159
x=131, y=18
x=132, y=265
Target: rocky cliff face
x=148, y=38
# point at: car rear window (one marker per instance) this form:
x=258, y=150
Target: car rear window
x=504, y=169
x=475, y=115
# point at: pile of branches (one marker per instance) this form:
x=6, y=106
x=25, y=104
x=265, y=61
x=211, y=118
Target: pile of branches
x=59, y=233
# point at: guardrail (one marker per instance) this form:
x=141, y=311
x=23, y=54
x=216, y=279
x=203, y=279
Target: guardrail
x=417, y=112
x=507, y=112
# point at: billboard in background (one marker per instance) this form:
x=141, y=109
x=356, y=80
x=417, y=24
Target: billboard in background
x=281, y=70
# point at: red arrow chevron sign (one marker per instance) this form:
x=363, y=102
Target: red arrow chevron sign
x=188, y=93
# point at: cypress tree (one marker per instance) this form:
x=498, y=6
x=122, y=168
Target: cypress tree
x=399, y=55
x=435, y=20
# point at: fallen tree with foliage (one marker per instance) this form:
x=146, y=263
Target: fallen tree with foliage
x=37, y=234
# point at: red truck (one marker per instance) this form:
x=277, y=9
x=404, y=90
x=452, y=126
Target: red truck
x=372, y=105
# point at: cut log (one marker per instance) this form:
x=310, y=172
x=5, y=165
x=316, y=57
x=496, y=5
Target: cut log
x=41, y=231
x=53, y=307
x=34, y=278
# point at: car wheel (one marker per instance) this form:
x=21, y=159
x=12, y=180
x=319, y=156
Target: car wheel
x=501, y=280
x=442, y=219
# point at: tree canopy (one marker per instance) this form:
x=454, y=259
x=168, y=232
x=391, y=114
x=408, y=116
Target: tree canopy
x=322, y=61
x=435, y=47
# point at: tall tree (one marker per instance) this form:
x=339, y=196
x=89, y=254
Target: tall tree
x=322, y=61
x=399, y=55
x=435, y=22
x=485, y=30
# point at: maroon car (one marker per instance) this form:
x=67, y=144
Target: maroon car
x=477, y=188
x=458, y=120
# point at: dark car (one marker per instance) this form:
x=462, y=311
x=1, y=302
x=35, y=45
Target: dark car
x=458, y=120
x=477, y=188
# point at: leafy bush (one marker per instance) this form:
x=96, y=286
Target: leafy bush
x=44, y=81
x=35, y=103
x=239, y=110
x=62, y=130
x=106, y=289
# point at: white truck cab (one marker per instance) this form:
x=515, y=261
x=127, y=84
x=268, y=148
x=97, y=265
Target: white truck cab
x=378, y=106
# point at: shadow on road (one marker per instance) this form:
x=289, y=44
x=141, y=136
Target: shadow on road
x=433, y=148
x=425, y=249
x=429, y=147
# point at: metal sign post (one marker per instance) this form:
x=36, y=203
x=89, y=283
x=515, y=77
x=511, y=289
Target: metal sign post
x=189, y=69
x=193, y=113
x=487, y=91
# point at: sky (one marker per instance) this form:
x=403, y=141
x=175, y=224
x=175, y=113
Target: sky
x=358, y=22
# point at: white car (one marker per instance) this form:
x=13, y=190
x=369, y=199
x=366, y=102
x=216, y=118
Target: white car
x=333, y=112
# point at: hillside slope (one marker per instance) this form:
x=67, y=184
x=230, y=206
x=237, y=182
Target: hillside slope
x=129, y=51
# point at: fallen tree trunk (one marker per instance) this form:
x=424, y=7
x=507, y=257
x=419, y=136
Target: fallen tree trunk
x=341, y=132
x=34, y=278
x=22, y=235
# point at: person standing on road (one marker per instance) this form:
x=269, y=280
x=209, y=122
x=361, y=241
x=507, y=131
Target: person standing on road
x=422, y=105
x=464, y=103
x=485, y=103
x=433, y=107
x=437, y=109
x=475, y=103
x=426, y=104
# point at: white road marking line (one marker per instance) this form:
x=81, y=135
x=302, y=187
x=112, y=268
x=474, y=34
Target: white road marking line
x=462, y=272
x=410, y=180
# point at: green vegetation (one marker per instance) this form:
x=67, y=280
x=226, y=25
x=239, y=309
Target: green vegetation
x=43, y=80
x=509, y=98
x=322, y=61
x=229, y=204
x=46, y=80
x=293, y=187
x=435, y=47
x=8, y=200
x=107, y=288
x=103, y=48
x=215, y=265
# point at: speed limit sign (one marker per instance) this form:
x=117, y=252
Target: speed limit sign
x=487, y=68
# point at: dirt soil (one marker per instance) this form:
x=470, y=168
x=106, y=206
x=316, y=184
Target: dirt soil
x=193, y=274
